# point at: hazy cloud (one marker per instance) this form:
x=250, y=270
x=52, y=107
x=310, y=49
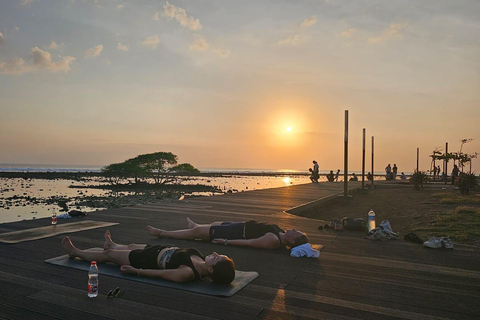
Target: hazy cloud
x=292, y=40
x=93, y=52
x=120, y=6
x=309, y=22
x=200, y=45
x=27, y=2
x=43, y=60
x=348, y=33
x=123, y=47
x=2, y=38
x=150, y=42
x=180, y=15
x=53, y=45
x=14, y=66
x=222, y=52
x=393, y=31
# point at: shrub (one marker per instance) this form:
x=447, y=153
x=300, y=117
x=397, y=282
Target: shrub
x=467, y=183
x=418, y=178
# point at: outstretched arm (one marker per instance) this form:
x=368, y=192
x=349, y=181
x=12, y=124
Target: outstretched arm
x=268, y=241
x=181, y=274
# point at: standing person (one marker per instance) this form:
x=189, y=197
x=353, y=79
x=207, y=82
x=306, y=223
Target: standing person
x=251, y=234
x=455, y=172
x=394, y=170
x=337, y=174
x=315, y=175
x=434, y=172
x=438, y=171
x=158, y=261
x=388, y=171
x=369, y=176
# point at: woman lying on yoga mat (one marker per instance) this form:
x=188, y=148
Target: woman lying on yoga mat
x=169, y=263
x=244, y=234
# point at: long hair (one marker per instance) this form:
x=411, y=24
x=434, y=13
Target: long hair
x=223, y=272
x=300, y=240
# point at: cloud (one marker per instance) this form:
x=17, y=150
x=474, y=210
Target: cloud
x=150, y=42
x=222, y=52
x=2, y=38
x=123, y=47
x=200, y=45
x=309, y=22
x=394, y=30
x=93, y=52
x=180, y=15
x=348, y=33
x=292, y=40
x=53, y=45
x=27, y=2
x=43, y=60
x=120, y=6
x=14, y=66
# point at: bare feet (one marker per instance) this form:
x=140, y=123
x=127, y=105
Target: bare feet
x=109, y=244
x=154, y=231
x=69, y=248
x=191, y=224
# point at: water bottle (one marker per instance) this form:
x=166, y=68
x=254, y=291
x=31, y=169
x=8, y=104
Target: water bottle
x=371, y=220
x=54, y=216
x=93, y=280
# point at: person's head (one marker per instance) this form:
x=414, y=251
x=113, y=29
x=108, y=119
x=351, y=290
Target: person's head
x=221, y=268
x=293, y=238
x=331, y=171
x=314, y=161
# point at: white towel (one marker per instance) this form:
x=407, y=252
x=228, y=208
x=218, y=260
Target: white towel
x=305, y=250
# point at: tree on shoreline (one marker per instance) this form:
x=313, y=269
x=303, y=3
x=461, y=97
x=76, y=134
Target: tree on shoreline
x=162, y=167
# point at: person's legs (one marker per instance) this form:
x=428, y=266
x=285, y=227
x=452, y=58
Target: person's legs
x=119, y=257
x=198, y=232
x=109, y=244
x=192, y=224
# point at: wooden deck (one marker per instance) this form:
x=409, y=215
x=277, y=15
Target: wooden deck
x=354, y=278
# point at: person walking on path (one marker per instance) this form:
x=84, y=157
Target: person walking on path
x=455, y=172
x=158, y=261
x=336, y=175
x=243, y=234
x=315, y=175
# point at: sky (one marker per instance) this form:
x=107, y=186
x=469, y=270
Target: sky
x=218, y=82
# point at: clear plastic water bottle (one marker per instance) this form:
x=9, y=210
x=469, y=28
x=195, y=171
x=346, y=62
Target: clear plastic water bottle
x=371, y=220
x=54, y=216
x=93, y=280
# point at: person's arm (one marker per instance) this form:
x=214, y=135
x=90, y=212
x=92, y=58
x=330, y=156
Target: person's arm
x=268, y=241
x=181, y=274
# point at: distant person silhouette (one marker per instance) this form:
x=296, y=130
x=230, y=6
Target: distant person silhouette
x=455, y=172
x=354, y=177
x=315, y=176
x=394, y=170
x=330, y=176
x=337, y=174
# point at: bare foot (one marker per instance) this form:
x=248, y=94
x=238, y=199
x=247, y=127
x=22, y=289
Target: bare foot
x=109, y=244
x=191, y=224
x=154, y=231
x=69, y=248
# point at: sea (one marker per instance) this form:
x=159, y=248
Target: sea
x=15, y=192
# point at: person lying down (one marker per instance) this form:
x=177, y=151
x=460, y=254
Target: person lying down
x=159, y=261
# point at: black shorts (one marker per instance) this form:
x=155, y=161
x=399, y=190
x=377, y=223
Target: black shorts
x=228, y=230
x=145, y=258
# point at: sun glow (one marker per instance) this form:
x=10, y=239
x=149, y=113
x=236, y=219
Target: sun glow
x=289, y=129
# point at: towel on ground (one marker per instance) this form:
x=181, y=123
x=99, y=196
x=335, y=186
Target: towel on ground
x=305, y=250
x=382, y=232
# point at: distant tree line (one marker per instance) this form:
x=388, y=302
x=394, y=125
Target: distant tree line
x=162, y=167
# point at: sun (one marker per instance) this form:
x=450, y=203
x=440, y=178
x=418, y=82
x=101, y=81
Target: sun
x=289, y=129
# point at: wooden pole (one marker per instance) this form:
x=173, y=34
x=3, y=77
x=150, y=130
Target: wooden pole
x=373, y=144
x=363, y=161
x=418, y=153
x=445, y=163
x=345, y=160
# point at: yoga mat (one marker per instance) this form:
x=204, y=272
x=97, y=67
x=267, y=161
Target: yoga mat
x=50, y=231
x=242, y=278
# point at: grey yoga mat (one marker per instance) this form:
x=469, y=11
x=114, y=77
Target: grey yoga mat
x=50, y=231
x=242, y=278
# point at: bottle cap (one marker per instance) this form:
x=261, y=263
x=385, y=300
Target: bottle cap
x=94, y=263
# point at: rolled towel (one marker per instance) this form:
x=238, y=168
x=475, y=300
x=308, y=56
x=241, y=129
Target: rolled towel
x=304, y=250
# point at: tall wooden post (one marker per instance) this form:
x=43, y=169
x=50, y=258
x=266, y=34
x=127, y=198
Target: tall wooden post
x=445, y=162
x=363, y=161
x=373, y=145
x=345, y=162
x=418, y=154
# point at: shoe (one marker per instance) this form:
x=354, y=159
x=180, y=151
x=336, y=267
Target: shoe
x=433, y=243
x=339, y=226
x=413, y=237
x=447, y=243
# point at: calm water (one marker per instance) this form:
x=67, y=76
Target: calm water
x=235, y=180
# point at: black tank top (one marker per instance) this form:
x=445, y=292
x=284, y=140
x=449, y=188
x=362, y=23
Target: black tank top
x=183, y=257
x=255, y=229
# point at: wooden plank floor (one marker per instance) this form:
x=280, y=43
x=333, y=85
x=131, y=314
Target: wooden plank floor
x=354, y=278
